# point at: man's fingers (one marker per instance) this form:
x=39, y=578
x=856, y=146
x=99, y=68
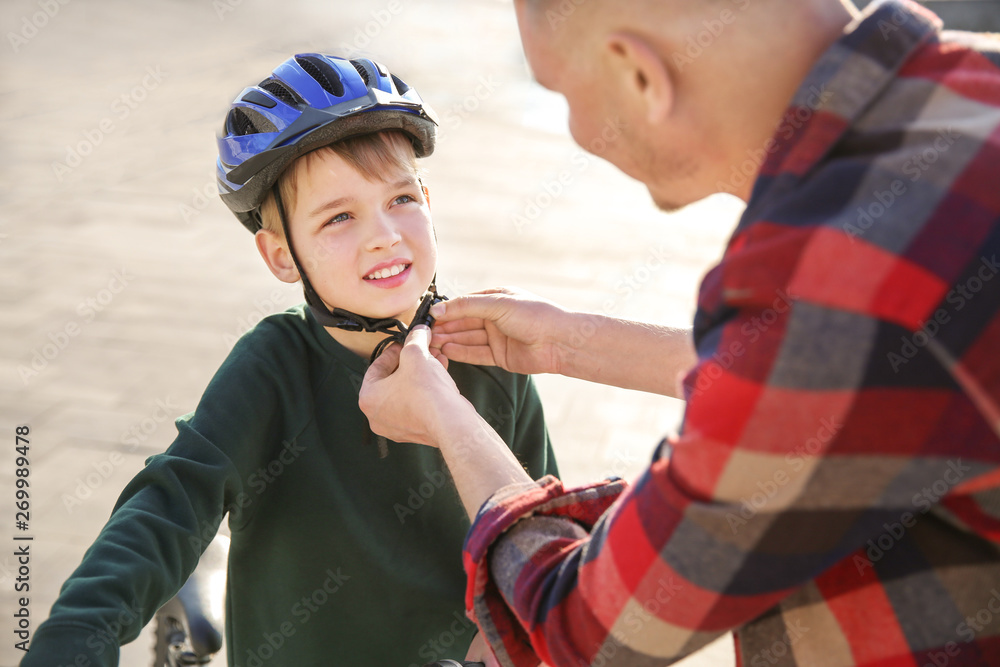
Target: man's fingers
x=481, y=306
x=464, y=324
x=478, y=355
x=475, y=337
x=385, y=365
x=420, y=337
x=440, y=357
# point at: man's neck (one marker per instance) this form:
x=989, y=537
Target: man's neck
x=788, y=55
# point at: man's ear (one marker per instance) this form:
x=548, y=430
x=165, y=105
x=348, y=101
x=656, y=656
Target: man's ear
x=275, y=253
x=644, y=73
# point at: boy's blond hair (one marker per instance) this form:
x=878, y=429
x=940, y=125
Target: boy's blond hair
x=376, y=156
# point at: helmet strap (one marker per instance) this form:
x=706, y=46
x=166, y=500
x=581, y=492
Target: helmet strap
x=311, y=297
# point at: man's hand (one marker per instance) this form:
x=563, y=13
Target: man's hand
x=407, y=389
x=523, y=333
x=516, y=331
x=479, y=651
x=409, y=397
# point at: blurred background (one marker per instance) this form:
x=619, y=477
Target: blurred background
x=126, y=281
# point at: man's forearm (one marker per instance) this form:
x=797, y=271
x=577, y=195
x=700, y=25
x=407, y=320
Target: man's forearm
x=478, y=459
x=622, y=353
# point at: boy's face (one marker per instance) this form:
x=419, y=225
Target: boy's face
x=367, y=247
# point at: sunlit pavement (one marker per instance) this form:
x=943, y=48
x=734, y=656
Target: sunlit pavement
x=127, y=281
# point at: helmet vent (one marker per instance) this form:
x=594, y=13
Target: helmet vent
x=247, y=121
x=362, y=70
x=281, y=91
x=400, y=85
x=324, y=74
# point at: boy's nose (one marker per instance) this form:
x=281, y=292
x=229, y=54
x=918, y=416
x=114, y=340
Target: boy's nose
x=384, y=233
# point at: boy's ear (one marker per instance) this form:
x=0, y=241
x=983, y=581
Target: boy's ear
x=427, y=194
x=275, y=253
x=645, y=75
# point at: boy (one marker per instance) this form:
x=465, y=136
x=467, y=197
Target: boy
x=343, y=550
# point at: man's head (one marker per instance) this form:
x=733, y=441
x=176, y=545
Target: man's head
x=677, y=91
x=359, y=223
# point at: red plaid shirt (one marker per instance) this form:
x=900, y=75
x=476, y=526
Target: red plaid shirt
x=834, y=494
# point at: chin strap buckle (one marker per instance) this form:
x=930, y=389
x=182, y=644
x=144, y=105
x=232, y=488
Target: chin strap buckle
x=422, y=316
x=396, y=330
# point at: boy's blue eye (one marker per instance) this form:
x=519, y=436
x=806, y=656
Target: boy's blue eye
x=340, y=218
x=408, y=198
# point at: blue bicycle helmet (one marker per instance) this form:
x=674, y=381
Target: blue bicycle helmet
x=309, y=101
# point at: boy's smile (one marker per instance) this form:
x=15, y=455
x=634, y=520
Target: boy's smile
x=389, y=274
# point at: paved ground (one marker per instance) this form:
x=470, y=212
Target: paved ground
x=126, y=280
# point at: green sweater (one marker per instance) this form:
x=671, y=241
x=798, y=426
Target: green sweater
x=338, y=555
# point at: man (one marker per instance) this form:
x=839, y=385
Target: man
x=834, y=494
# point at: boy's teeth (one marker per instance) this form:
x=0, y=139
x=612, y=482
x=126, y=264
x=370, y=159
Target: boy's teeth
x=386, y=273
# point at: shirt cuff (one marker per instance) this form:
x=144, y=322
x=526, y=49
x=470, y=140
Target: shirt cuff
x=569, y=514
